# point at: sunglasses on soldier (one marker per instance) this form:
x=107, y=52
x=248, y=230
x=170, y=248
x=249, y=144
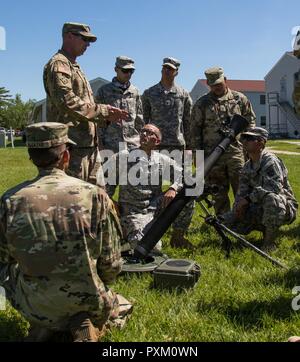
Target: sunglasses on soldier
x=126, y=71
x=82, y=37
x=249, y=137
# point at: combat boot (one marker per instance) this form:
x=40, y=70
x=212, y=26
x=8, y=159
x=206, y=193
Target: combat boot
x=83, y=330
x=269, y=239
x=120, y=313
x=179, y=241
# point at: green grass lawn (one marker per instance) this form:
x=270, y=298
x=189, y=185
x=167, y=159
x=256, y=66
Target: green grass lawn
x=283, y=146
x=243, y=298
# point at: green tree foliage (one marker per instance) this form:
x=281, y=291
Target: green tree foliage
x=5, y=98
x=16, y=112
x=5, y=101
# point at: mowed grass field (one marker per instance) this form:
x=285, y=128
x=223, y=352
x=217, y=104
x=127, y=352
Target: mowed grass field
x=242, y=298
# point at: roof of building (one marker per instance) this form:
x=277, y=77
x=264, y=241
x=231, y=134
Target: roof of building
x=286, y=54
x=244, y=85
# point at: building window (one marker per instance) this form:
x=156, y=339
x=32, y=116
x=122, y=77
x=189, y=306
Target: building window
x=263, y=120
x=262, y=99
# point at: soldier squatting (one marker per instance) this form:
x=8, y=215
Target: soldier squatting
x=60, y=236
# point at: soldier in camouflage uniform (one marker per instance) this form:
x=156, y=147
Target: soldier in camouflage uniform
x=296, y=93
x=208, y=115
x=169, y=106
x=138, y=204
x=265, y=199
x=122, y=94
x=59, y=243
x=70, y=100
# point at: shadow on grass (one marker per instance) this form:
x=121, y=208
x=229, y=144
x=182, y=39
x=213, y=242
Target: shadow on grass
x=288, y=280
x=251, y=314
x=210, y=238
x=17, y=143
x=291, y=232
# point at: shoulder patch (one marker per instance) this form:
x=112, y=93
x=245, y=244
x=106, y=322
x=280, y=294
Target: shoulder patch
x=61, y=67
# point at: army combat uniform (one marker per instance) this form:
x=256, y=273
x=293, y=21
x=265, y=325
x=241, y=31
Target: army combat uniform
x=140, y=202
x=123, y=96
x=208, y=116
x=170, y=110
x=59, y=243
x=271, y=200
x=70, y=100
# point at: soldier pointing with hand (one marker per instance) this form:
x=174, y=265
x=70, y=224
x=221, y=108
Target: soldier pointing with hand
x=70, y=100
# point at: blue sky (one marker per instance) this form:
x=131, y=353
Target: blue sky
x=246, y=38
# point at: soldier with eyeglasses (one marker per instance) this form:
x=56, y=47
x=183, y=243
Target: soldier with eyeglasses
x=124, y=95
x=70, y=100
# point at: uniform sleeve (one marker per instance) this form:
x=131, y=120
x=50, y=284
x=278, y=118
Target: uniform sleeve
x=4, y=253
x=186, y=119
x=172, y=171
x=58, y=78
x=109, y=263
x=100, y=99
x=272, y=182
x=196, y=125
x=111, y=172
x=247, y=112
x=244, y=188
x=176, y=176
x=139, y=120
x=146, y=108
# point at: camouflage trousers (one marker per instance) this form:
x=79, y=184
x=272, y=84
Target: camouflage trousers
x=184, y=218
x=135, y=221
x=53, y=308
x=85, y=164
x=274, y=212
x=224, y=174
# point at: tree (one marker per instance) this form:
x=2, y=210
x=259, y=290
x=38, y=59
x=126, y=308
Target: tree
x=5, y=98
x=5, y=101
x=17, y=113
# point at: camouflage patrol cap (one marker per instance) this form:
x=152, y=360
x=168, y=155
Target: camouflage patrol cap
x=214, y=75
x=256, y=132
x=171, y=62
x=81, y=29
x=47, y=135
x=124, y=62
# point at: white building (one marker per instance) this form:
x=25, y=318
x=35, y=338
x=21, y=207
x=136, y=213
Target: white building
x=39, y=112
x=281, y=118
x=253, y=89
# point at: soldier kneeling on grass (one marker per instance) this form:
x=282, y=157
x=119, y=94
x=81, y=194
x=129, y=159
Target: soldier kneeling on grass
x=265, y=199
x=59, y=245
